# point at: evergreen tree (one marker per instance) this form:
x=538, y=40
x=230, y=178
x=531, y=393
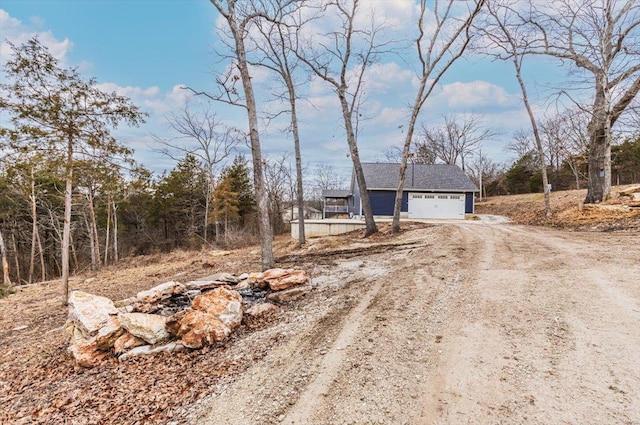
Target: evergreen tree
x=179, y=203
x=239, y=176
x=62, y=112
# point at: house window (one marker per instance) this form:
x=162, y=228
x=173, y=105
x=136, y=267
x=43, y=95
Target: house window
x=429, y=196
x=443, y=197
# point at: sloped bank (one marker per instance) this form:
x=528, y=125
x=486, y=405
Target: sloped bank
x=174, y=316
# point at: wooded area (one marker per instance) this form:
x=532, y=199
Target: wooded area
x=72, y=197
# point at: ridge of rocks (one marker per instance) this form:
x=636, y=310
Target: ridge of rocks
x=173, y=316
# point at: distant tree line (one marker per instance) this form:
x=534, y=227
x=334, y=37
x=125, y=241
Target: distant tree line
x=68, y=186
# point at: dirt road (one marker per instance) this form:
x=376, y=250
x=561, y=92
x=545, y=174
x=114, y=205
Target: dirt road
x=453, y=324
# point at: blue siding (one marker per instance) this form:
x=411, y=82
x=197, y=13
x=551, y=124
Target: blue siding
x=468, y=203
x=354, y=201
x=382, y=202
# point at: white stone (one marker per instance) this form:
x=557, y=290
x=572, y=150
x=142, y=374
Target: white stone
x=171, y=347
x=162, y=291
x=150, y=327
x=90, y=312
x=290, y=294
x=261, y=308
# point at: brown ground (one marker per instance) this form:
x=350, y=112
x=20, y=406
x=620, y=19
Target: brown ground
x=462, y=323
x=568, y=211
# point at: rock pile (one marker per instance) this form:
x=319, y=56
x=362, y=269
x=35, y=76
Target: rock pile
x=174, y=316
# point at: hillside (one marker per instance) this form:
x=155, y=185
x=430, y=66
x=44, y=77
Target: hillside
x=389, y=301
x=568, y=210
x=492, y=323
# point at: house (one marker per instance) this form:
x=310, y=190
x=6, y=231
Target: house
x=291, y=213
x=430, y=191
x=335, y=203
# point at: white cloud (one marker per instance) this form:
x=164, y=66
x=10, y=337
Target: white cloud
x=392, y=116
x=16, y=32
x=385, y=77
x=151, y=98
x=396, y=14
x=474, y=95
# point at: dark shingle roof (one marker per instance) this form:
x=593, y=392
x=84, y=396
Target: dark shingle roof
x=436, y=177
x=336, y=193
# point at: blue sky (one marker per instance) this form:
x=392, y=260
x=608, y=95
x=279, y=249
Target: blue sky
x=149, y=49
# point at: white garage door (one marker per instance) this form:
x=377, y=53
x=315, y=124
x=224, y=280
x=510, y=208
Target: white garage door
x=436, y=205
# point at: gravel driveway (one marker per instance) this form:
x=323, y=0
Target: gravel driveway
x=470, y=323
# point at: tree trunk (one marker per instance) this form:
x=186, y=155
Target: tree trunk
x=92, y=241
x=5, y=263
x=264, y=225
x=43, y=269
x=206, y=218
x=107, y=236
x=370, y=224
x=536, y=135
x=599, y=174
x=395, y=225
x=34, y=227
x=575, y=170
x=296, y=144
x=74, y=254
x=115, y=231
x=16, y=260
x=599, y=163
x=93, y=228
x=66, y=233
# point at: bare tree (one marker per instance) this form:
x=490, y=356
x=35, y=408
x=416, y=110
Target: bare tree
x=566, y=141
x=201, y=134
x=576, y=141
x=5, y=262
x=522, y=143
x=510, y=40
x=239, y=15
x=57, y=105
x=483, y=171
x=275, y=47
x=600, y=39
x=457, y=139
x=341, y=59
x=326, y=178
x=278, y=180
x=437, y=49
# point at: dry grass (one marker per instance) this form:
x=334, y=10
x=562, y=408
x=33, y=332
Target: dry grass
x=568, y=210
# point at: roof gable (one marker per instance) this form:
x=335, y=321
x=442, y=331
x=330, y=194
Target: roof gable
x=336, y=193
x=436, y=177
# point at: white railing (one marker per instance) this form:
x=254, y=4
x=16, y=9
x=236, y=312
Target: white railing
x=336, y=208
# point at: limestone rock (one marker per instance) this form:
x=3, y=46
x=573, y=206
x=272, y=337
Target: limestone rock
x=171, y=347
x=224, y=304
x=85, y=350
x=204, y=284
x=90, y=312
x=172, y=324
x=150, y=327
x=256, y=279
x=262, y=309
x=126, y=342
x=109, y=333
x=244, y=284
x=160, y=292
x=213, y=281
x=126, y=302
x=226, y=277
x=280, y=279
x=199, y=328
x=288, y=295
